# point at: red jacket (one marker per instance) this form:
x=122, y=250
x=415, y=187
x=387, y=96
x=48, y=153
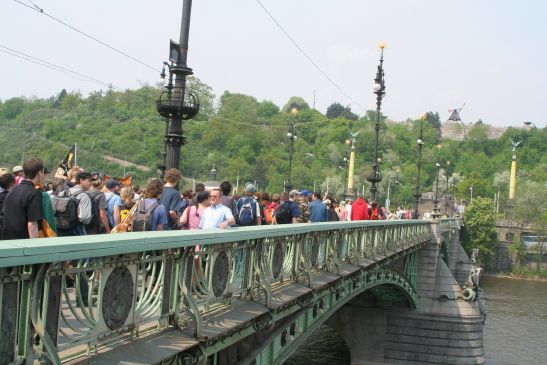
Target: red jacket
x=359, y=210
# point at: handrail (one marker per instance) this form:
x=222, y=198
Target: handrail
x=147, y=281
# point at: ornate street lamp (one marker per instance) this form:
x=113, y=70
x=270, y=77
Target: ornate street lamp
x=174, y=104
x=420, y=144
x=436, y=213
x=292, y=137
x=379, y=89
x=447, y=192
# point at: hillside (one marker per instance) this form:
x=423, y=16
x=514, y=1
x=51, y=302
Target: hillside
x=246, y=137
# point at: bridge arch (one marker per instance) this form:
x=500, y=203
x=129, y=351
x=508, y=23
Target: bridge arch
x=291, y=333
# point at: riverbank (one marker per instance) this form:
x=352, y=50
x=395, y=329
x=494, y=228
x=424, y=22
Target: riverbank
x=531, y=276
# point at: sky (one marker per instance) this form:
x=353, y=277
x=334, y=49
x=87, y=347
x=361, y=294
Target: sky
x=489, y=54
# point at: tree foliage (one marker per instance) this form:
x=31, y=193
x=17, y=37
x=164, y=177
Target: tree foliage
x=480, y=222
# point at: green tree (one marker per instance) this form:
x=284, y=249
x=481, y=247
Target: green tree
x=295, y=102
x=480, y=223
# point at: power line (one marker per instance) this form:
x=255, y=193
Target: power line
x=66, y=71
x=309, y=58
x=41, y=10
x=53, y=66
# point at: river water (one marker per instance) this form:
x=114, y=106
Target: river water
x=515, y=331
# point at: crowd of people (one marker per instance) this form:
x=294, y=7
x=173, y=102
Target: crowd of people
x=78, y=202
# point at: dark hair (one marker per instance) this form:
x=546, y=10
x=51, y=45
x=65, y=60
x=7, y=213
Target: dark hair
x=265, y=196
x=6, y=180
x=200, y=187
x=32, y=167
x=202, y=196
x=317, y=195
x=83, y=176
x=225, y=187
x=154, y=188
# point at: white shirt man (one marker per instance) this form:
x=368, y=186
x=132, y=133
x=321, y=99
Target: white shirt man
x=216, y=215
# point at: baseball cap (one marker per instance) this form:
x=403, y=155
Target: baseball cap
x=3, y=171
x=293, y=192
x=327, y=202
x=17, y=169
x=305, y=193
x=111, y=183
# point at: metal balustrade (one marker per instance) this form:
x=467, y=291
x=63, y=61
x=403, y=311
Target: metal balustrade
x=67, y=297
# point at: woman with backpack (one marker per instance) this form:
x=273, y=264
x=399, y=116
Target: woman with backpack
x=150, y=215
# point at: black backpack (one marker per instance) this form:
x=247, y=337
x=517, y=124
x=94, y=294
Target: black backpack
x=95, y=222
x=246, y=211
x=283, y=214
x=142, y=220
x=65, y=210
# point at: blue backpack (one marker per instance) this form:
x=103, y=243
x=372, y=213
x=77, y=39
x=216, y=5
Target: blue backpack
x=246, y=211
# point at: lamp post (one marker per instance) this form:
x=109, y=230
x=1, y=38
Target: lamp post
x=292, y=137
x=388, y=201
x=345, y=164
x=436, y=213
x=379, y=89
x=420, y=144
x=174, y=103
x=447, y=192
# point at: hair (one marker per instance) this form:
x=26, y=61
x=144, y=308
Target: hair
x=258, y=196
x=317, y=195
x=73, y=172
x=374, y=204
x=275, y=198
x=154, y=188
x=225, y=187
x=82, y=175
x=136, y=189
x=200, y=187
x=172, y=176
x=127, y=195
x=32, y=167
x=265, y=196
x=7, y=180
x=202, y=196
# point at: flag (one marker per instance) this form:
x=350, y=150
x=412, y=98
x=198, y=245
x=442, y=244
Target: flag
x=125, y=181
x=68, y=162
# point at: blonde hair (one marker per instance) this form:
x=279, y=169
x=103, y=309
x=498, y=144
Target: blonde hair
x=126, y=194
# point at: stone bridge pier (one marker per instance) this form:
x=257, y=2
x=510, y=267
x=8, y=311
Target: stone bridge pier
x=443, y=329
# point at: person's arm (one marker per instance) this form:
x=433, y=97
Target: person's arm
x=32, y=229
x=104, y=220
x=84, y=209
x=229, y=219
x=258, y=215
x=184, y=216
x=116, y=214
x=173, y=217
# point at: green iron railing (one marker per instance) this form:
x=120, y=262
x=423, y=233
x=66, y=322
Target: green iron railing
x=140, y=283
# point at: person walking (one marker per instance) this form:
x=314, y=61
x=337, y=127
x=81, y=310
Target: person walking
x=359, y=209
x=24, y=204
x=191, y=217
x=216, y=215
x=170, y=197
x=318, y=210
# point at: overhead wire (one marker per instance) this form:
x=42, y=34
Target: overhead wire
x=301, y=50
x=41, y=10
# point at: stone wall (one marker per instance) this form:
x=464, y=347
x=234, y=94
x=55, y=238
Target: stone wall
x=444, y=329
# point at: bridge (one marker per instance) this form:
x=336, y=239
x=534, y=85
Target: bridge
x=391, y=289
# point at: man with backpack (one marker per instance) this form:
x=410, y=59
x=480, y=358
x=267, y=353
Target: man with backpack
x=99, y=217
x=288, y=211
x=247, y=208
x=72, y=207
